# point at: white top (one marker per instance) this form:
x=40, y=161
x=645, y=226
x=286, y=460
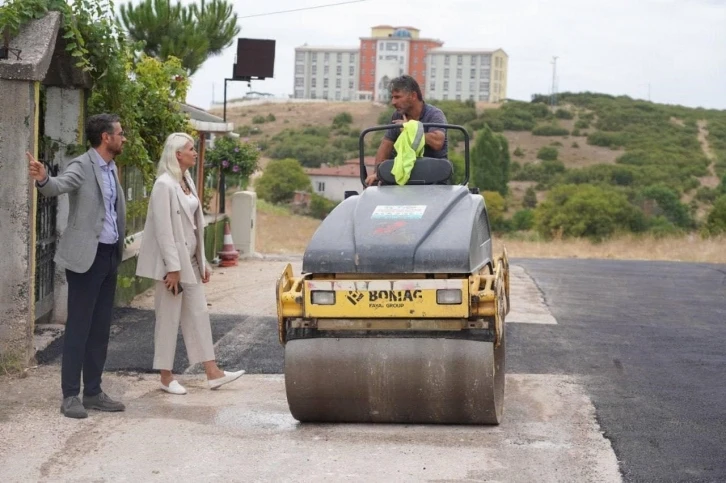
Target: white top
x=193, y=203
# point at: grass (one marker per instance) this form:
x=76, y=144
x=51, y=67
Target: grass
x=281, y=232
x=11, y=364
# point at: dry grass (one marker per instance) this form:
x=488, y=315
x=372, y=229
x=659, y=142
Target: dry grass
x=689, y=248
x=280, y=232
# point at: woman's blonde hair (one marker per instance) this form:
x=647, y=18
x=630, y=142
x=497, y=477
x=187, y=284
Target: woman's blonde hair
x=168, y=162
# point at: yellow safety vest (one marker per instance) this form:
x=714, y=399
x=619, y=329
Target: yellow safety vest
x=409, y=147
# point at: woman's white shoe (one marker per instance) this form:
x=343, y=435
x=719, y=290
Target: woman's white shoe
x=174, y=388
x=220, y=381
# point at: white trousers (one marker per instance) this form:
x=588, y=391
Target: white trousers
x=190, y=309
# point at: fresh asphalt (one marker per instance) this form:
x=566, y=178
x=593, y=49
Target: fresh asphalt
x=647, y=339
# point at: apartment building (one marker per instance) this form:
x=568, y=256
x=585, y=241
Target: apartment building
x=326, y=73
x=479, y=75
x=363, y=73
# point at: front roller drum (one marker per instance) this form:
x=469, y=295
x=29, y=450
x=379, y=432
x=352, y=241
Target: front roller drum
x=395, y=380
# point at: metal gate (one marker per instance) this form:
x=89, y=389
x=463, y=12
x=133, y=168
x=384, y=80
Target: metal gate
x=45, y=230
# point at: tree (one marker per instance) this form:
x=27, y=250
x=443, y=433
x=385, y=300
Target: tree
x=280, y=180
x=192, y=33
x=490, y=161
x=496, y=206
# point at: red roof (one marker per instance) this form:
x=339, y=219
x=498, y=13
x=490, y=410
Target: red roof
x=349, y=169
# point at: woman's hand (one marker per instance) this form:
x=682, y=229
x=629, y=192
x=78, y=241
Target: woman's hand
x=207, y=274
x=171, y=280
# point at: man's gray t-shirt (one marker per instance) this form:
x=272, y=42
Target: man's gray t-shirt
x=429, y=114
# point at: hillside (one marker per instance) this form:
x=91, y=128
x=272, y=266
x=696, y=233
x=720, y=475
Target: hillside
x=664, y=162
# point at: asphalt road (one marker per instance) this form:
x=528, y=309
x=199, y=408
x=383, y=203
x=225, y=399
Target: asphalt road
x=645, y=338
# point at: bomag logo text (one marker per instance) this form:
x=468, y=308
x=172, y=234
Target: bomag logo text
x=379, y=296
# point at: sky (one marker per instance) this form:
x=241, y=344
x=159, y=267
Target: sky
x=668, y=51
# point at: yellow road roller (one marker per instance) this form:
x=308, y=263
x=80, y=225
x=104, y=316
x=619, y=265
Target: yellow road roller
x=398, y=314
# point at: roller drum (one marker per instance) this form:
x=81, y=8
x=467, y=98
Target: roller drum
x=395, y=380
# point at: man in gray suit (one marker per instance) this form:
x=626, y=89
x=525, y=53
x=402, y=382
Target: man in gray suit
x=90, y=250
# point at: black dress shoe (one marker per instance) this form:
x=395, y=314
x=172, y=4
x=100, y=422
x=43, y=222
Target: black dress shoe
x=72, y=408
x=102, y=402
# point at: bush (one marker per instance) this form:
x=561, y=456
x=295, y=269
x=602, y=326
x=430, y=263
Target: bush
x=342, y=119
x=563, y=114
x=496, y=206
x=716, y=221
x=542, y=173
x=270, y=117
x=280, y=180
x=518, y=152
x=523, y=220
x=586, y=211
x=259, y=119
x=582, y=124
x=606, y=139
x=706, y=194
x=385, y=116
x=575, y=145
x=547, y=153
x=550, y=130
x=668, y=204
x=320, y=206
x=530, y=198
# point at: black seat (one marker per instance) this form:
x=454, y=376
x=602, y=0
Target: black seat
x=425, y=171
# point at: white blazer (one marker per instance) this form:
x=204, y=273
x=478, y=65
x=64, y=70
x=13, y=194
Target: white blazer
x=168, y=231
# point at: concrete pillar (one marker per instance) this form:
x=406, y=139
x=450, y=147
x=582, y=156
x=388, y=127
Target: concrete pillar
x=18, y=134
x=242, y=222
x=64, y=124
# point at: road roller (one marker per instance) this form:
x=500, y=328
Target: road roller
x=398, y=313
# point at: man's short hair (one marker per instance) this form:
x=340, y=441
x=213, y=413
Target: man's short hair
x=99, y=124
x=405, y=83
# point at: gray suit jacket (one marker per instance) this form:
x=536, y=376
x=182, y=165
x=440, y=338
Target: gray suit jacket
x=82, y=181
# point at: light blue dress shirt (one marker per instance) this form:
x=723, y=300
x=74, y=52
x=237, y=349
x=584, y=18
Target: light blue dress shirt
x=109, y=233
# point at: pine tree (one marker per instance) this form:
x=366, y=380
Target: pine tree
x=192, y=33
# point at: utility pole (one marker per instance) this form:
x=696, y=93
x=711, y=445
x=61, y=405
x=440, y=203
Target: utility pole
x=553, y=99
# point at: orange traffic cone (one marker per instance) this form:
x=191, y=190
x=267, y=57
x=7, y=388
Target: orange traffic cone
x=228, y=255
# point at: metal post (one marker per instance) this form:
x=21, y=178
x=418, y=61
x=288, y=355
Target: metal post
x=553, y=100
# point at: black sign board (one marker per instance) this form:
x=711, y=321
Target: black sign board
x=255, y=59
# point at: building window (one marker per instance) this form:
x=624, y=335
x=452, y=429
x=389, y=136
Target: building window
x=299, y=69
x=339, y=70
x=351, y=70
x=299, y=94
x=432, y=86
x=392, y=46
x=446, y=73
x=325, y=82
x=326, y=69
x=339, y=57
x=337, y=83
x=321, y=186
x=473, y=60
x=327, y=56
x=459, y=59
x=313, y=82
x=325, y=94
x=415, y=47
x=380, y=45
x=483, y=86
x=472, y=74
x=486, y=60
x=446, y=97
x=433, y=72
x=446, y=85
x=446, y=60
x=313, y=95
x=351, y=84
x=352, y=57
x=458, y=85
x=299, y=82
x=315, y=57
x=299, y=56
x=471, y=97
x=415, y=60
x=458, y=73
x=337, y=95
x=458, y=97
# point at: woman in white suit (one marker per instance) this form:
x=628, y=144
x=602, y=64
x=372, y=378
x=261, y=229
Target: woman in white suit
x=172, y=253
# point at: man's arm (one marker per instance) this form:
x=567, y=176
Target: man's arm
x=436, y=136
x=70, y=180
x=435, y=139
